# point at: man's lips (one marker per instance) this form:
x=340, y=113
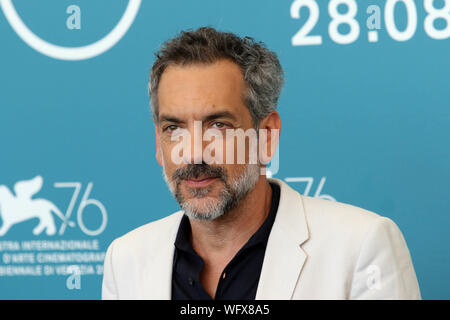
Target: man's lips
x=200, y=182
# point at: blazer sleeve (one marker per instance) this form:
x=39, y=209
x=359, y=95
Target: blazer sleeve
x=109, y=289
x=384, y=269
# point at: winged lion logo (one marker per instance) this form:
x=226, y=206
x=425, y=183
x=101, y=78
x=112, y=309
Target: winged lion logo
x=21, y=207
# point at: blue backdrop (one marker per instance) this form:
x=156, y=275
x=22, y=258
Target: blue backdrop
x=365, y=120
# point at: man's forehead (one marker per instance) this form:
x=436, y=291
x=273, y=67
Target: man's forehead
x=219, y=80
x=193, y=92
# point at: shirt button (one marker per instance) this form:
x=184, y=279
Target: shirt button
x=224, y=275
x=190, y=281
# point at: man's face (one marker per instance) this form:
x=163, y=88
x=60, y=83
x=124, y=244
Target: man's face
x=212, y=94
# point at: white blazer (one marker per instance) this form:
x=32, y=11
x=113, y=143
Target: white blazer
x=317, y=249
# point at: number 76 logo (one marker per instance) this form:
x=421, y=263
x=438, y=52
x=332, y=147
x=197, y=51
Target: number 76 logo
x=309, y=182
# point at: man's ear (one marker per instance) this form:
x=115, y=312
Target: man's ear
x=158, y=146
x=269, y=123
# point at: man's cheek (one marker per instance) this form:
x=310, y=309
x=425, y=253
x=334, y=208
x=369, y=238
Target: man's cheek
x=166, y=151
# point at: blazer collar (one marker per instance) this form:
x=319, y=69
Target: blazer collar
x=157, y=281
x=283, y=259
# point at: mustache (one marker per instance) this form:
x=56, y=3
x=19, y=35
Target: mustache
x=196, y=170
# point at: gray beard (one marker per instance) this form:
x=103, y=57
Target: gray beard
x=212, y=208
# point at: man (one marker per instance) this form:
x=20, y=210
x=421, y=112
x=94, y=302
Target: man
x=239, y=234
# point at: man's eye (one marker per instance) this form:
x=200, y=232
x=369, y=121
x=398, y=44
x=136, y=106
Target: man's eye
x=171, y=128
x=219, y=125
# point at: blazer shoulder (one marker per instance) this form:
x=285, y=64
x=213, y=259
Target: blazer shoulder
x=336, y=208
x=150, y=234
x=352, y=242
x=338, y=218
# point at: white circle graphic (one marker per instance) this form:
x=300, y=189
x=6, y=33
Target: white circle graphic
x=68, y=53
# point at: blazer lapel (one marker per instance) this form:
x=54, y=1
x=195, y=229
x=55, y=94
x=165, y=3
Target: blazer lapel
x=157, y=277
x=284, y=257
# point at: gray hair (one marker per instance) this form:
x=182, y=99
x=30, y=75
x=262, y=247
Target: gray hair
x=260, y=67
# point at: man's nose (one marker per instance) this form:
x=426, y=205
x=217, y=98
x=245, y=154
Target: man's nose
x=195, y=145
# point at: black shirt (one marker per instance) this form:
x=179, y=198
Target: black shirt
x=239, y=279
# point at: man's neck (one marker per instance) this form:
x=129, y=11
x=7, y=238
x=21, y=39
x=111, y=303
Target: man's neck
x=224, y=236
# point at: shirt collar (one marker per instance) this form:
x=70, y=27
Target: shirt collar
x=182, y=241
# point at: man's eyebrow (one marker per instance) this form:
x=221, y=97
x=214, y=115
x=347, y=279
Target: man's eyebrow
x=169, y=119
x=209, y=117
x=220, y=114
